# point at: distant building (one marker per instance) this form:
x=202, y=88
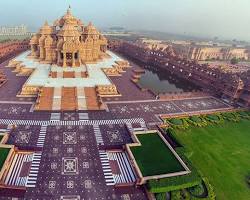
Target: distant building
x=199, y=51
x=218, y=53
x=13, y=30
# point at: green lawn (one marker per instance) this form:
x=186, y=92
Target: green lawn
x=222, y=153
x=154, y=157
x=3, y=155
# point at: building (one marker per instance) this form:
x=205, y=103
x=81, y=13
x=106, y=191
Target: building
x=68, y=67
x=233, y=87
x=13, y=31
x=68, y=42
x=217, y=53
x=200, y=51
x=10, y=48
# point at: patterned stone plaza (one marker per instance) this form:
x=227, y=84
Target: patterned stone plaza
x=73, y=157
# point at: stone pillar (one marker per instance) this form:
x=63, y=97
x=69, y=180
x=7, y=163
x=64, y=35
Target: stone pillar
x=64, y=59
x=73, y=59
x=58, y=57
x=79, y=58
x=32, y=49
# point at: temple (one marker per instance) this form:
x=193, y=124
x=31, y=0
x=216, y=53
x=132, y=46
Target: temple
x=68, y=67
x=68, y=42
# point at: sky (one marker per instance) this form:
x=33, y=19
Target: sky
x=225, y=19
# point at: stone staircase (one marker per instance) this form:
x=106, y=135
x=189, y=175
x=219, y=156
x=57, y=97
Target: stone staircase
x=68, y=99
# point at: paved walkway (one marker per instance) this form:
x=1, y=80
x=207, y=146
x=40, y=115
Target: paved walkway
x=72, y=123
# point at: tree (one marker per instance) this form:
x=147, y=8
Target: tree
x=234, y=61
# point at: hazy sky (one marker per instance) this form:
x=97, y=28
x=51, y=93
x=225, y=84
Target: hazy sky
x=222, y=18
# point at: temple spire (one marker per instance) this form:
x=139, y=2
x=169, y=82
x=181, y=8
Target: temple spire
x=69, y=10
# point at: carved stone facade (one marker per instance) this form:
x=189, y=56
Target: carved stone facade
x=68, y=42
x=107, y=90
x=218, y=53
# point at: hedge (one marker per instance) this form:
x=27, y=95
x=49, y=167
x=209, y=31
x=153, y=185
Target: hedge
x=176, y=195
x=210, y=189
x=177, y=182
x=197, y=190
x=180, y=195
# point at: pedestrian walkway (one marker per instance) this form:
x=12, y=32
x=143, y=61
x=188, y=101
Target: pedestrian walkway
x=42, y=135
x=109, y=178
x=83, y=116
x=55, y=116
x=98, y=134
x=34, y=169
x=55, y=121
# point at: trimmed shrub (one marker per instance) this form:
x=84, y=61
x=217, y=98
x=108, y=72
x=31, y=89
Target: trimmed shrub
x=160, y=196
x=210, y=189
x=230, y=116
x=244, y=114
x=197, y=121
x=180, y=195
x=178, y=123
x=215, y=118
x=176, y=195
x=197, y=190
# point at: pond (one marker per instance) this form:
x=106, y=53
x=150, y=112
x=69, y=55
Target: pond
x=162, y=81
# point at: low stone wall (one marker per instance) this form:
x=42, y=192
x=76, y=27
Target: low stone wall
x=182, y=95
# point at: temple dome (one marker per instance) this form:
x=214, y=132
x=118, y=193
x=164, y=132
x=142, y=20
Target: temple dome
x=69, y=30
x=90, y=29
x=69, y=18
x=46, y=29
